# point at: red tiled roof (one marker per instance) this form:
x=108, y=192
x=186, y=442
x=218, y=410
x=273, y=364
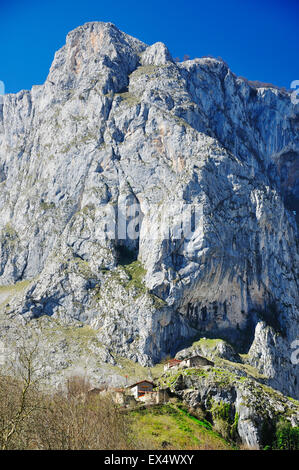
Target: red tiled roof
x=141, y=381
x=173, y=361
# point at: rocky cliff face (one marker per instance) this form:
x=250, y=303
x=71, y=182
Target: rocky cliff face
x=119, y=127
x=252, y=408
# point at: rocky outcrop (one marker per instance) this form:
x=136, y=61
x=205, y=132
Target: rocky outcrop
x=117, y=124
x=248, y=409
x=210, y=348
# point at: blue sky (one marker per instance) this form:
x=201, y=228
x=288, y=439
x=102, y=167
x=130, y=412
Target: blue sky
x=258, y=39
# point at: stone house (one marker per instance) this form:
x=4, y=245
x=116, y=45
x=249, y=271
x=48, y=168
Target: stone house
x=195, y=361
x=120, y=397
x=156, y=397
x=172, y=363
x=140, y=388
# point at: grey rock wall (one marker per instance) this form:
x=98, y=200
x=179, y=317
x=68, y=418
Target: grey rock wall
x=117, y=121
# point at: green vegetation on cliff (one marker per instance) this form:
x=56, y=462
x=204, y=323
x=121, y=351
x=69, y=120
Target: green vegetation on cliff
x=171, y=427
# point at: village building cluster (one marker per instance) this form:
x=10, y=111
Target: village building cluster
x=194, y=361
x=146, y=391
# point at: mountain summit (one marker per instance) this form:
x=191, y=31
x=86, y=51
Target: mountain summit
x=153, y=202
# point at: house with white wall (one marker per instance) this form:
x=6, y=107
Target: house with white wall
x=140, y=388
x=195, y=361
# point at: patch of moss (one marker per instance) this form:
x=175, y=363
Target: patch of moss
x=170, y=379
x=79, y=334
x=89, y=137
x=75, y=264
x=133, y=370
x=15, y=288
x=88, y=211
x=128, y=98
x=221, y=410
x=77, y=118
x=206, y=343
x=148, y=70
x=9, y=232
x=45, y=206
x=8, y=292
x=249, y=370
x=136, y=273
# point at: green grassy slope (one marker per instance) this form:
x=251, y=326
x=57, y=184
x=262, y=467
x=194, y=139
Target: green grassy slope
x=169, y=427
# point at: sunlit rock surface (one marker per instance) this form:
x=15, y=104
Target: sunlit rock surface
x=118, y=121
